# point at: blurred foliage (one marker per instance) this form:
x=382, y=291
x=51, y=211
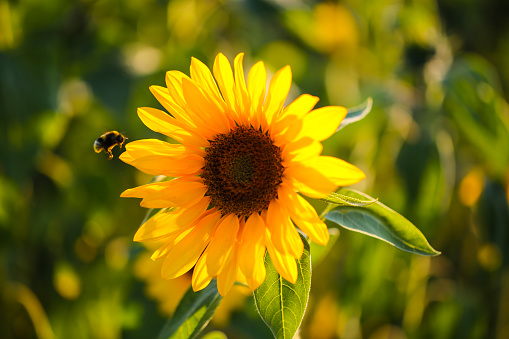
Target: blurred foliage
x=435, y=148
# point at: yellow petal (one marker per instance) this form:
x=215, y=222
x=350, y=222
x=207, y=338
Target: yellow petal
x=159, y=226
x=284, y=235
x=157, y=157
x=168, y=243
x=300, y=106
x=258, y=276
x=174, y=86
x=226, y=278
x=322, y=176
x=278, y=91
x=301, y=150
x=145, y=190
x=256, y=84
x=185, y=252
x=252, y=251
x=224, y=76
x=210, y=114
x=240, y=89
x=304, y=215
x=290, y=121
x=161, y=122
x=185, y=191
x=284, y=263
x=186, y=95
x=156, y=202
x=323, y=122
x=177, y=110
x=222, y=243
x=126, y=157
x=146, y=147
x=339, y=171
x=201, y=276
x=286, y=130
x=168, y=166
x=180, y=192
x=308, y=180
x=165, y=224
x=202, y=75
x=150, y=193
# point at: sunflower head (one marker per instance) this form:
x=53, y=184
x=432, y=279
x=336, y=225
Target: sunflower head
x=240, y=165
x=242, y=171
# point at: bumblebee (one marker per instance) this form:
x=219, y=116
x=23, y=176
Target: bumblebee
x=107, y=141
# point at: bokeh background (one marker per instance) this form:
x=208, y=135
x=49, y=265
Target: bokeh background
x=435, y=148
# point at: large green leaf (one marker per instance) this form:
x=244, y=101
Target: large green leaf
x=192, y=314
x=280, y=303
x=379, y=221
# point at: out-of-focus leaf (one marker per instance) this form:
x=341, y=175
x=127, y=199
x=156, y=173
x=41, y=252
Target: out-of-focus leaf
x=280, y=303
x=478, y=110
x=215, y=335
x=379, y=221
x=192, y=314
x=357, y=113
x=319, y=252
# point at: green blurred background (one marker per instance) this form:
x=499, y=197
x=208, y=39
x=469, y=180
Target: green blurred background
x=435, y=148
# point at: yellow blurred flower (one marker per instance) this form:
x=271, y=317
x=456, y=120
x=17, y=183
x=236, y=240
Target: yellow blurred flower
x=471, y=187
x=168, y=293
x=334, y=28
x=329, y=28
x=241, y=160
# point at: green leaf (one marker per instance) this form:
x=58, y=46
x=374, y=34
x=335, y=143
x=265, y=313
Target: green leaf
x=343, y=199
x=357, y=113
x=280, y=303
x=379, y=221
x=192, y=314
x=319, y=252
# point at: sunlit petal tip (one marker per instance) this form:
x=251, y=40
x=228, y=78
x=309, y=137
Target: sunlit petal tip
x=220, y=55
x=254, y=283
x=201, y=277
x=322, y=122
x=237, y=62
x=178, y=75
x=200, y=282
x=128, y=193
x=126, y=157
x=155, y=89
x=279, y=88
x=293, y=279
x=225, y=282
x=361, y=174
x=287, y=71
x=323, y=238
x=140, y=235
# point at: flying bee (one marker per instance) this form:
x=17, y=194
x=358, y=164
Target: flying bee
x=107, y=141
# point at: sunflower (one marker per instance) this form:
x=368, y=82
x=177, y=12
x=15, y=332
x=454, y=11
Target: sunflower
x=239, y=168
